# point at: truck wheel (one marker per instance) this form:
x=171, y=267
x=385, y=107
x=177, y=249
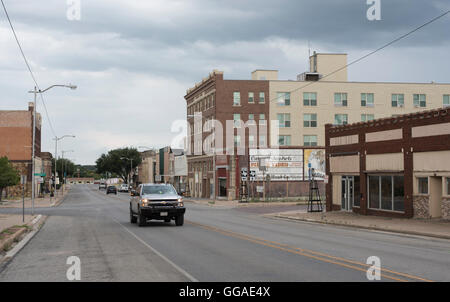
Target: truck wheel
x=179, y=220
x=133, y=218
x=141, y=220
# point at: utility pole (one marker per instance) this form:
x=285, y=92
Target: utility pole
x=33, y=193
x=35, y=92
x=56, y=154
x=63, y=165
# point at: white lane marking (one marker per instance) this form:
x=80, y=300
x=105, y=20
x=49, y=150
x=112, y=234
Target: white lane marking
x=182, y=271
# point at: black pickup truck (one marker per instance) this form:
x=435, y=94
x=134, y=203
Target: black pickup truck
x=158, y=202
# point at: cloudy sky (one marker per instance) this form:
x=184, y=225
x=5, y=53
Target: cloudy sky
x=133, y=60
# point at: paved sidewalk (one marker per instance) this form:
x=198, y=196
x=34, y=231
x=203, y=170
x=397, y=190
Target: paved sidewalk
x=38, y=202
x=236, y=203
x=7, y=220
x=434, y=228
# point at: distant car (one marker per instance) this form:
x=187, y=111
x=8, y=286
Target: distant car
x=102, y=186
x=156, y=201
x=111, y=189
x=123, y=188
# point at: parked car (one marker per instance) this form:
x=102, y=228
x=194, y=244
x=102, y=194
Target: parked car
x=102, y=185
x=158, y=202
x=111, y=189
x=123, y=188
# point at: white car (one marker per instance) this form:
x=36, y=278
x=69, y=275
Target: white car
x=123, y=188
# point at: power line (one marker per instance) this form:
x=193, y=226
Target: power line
x=371, y=53
x=28, y=66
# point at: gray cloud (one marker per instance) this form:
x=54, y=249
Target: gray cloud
x=133, y=60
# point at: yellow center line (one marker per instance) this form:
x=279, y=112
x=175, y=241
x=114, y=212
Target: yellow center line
x=309, y=253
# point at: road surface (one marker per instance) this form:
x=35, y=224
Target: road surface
x=215, y=244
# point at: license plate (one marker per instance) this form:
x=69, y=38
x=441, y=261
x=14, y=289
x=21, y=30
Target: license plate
x=163, y=213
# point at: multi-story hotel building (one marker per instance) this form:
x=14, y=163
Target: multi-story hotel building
x=303, y=107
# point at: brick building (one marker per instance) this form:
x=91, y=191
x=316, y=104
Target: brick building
x=16, y=133
x=222, y=100
x=397, y=167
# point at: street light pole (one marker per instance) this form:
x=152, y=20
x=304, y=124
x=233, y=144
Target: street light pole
x=63, y=164
x=56, y=155
x=35, y=92
x=33, y=193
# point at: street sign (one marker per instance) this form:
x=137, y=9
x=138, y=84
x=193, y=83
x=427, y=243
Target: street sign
x=23, y=179
x=252, y=175
x=325, y=179
x=243, y=174
x=40, y=174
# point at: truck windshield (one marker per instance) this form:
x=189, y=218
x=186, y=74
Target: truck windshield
x=158, y=190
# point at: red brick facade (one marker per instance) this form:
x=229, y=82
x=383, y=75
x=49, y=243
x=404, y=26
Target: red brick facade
x=407, y=145
x=214, y=99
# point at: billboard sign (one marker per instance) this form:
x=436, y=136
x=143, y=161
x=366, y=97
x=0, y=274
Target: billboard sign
x=314, y=159
x=280, y=164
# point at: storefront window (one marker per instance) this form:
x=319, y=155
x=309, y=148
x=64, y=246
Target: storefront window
x=423, y=185
x=399, y=193
x=448, y=185
x=357, y=193
x=386, y=193
x=374, y=192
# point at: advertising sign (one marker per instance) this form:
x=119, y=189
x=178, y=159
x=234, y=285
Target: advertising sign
x=315, y=159
x=280, y=164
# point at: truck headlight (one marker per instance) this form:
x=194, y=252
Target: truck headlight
x=180, y=202
x=144, y=202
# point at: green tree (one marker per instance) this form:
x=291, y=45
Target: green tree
x=113, y=162
x=63, y=164
x=8, y=175
x=87, y=171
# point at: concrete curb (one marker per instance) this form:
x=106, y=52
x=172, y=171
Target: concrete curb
x=375, y=228
x=36, y=225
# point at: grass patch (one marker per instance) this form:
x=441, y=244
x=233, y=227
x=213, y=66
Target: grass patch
x=11, y=230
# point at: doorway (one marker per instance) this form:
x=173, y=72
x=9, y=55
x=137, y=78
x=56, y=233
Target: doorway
x=222, y=187
x=435, y=197
x=347, y=192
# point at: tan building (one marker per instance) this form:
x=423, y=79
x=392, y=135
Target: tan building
x=323, y=95
x=303, y=107
x=80, y=180
x=147, y=168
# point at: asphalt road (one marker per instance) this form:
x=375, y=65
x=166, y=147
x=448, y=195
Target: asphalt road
x=215, y=244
